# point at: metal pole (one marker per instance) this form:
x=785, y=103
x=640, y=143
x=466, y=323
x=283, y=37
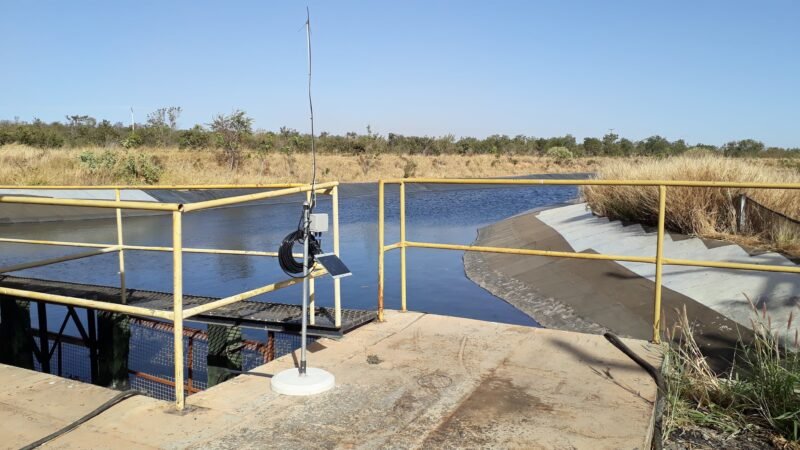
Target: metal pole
x=662, y=207
x=311, y=297
x=177, y=306
x=337, y=283
x=403, y=246
x=304, y=324
x=91, y=327
x=124, y=293
x=380, y=251
x=44, y=345
x=742, y=218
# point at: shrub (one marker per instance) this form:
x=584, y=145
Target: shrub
x=142, y=168
x=104, y=162
x=409, y=169
x=560, y=154
x=132, y=141
x=194, y=138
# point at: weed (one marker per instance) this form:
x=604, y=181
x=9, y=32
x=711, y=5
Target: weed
x=762, y=389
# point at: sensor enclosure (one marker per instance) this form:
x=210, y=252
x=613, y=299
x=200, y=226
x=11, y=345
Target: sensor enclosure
x=318, y=223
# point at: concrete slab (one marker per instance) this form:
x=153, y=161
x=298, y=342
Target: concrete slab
x=414, y=381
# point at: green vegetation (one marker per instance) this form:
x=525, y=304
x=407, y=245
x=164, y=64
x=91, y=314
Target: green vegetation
x=761, y=389
x=232, y=133
x=110, y=166
x=559, y=154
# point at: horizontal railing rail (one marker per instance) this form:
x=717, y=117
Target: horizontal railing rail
x=177, y=315
x=659, y=260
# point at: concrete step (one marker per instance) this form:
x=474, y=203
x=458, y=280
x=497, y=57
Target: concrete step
x=723, y=290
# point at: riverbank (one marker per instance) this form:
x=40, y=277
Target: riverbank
x=22, y=165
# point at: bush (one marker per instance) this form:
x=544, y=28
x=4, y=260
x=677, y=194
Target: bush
x=104, y=162
x=108, y=165
x=132, y=141
x=142, y=168
x=560, y=154
x=410, y=169
x=194, y=138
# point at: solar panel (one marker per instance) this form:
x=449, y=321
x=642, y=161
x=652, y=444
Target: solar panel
x=333, y=265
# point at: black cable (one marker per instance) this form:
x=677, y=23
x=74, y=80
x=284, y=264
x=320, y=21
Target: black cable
x=657, y=377
x=286, y=258
x=654, y=373
x=99, y=410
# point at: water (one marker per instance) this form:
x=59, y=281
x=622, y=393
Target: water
x=436, y=279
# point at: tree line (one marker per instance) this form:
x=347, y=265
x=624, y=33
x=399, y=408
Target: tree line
x=232, y=133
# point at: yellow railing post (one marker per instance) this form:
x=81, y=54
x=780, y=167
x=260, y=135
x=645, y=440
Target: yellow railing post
x=662, y=208
x=380, y=251
x=403, y=247
x=123, y=292
x=311, y=296
x=177, y=306
x=337, y=283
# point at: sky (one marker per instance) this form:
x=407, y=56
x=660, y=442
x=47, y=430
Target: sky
x=704, y=71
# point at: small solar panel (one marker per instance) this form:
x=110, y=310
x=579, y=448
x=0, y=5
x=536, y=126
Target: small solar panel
x=333, y=265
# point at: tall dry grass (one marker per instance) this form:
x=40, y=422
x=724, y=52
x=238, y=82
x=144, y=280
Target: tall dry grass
x=705, y=212
x=22, y=165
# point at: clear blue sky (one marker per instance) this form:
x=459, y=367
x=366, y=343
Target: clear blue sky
x=704, y=71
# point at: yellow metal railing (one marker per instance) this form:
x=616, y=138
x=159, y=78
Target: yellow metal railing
x=177, y=315
x=658, y=259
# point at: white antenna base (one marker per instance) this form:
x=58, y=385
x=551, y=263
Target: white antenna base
x=290, y=382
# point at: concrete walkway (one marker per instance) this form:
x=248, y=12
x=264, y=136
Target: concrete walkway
x=414, y=381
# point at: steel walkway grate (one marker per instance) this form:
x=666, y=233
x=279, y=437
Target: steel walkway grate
x=247, y=313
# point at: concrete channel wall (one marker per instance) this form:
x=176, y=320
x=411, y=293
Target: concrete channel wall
x=592, y=296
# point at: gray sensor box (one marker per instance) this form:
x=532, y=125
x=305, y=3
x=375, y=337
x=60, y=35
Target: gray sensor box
x=319, y=223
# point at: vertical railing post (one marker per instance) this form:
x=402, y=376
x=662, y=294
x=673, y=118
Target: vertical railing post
x=402, y=246
x=311, y=296
x=662, y=207
x=124, y=293
x=742, y=219
x=337, y=283
x=177, y=306
x=380, y=251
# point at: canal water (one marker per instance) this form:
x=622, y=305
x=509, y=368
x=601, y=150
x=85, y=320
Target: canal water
x=436, y=280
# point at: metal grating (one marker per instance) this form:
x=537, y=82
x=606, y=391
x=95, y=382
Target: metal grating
x=278, y=317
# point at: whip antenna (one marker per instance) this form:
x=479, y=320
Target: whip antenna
x=306, y=380
x=311, y=112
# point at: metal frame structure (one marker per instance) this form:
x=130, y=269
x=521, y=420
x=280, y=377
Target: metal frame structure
x=658, y=259
x=177, y=315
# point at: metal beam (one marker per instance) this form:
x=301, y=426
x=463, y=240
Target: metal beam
x=249, y=294
x=46, y=262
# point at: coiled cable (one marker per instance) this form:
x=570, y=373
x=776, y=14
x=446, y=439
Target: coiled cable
x=286, y=259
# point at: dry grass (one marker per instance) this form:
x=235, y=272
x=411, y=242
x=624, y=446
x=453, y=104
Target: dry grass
x=705, y=212
x=762, y=388
x=22, y=165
